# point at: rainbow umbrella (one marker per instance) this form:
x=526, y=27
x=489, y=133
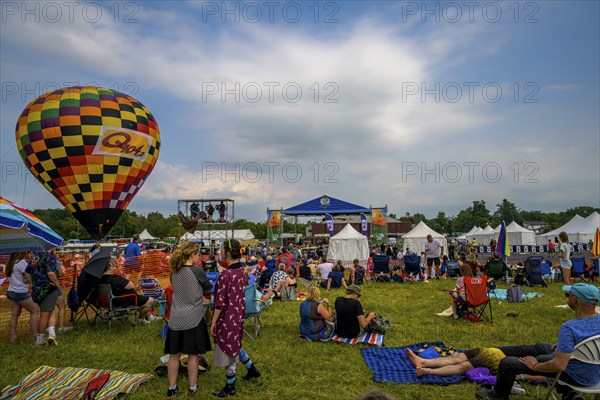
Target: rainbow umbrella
x=596, y=245
x=503, y=247
x=20, y=230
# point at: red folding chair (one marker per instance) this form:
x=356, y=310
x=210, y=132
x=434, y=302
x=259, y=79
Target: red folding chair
x=477, y=305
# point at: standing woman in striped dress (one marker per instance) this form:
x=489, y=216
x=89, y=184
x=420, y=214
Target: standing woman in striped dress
x=187, y=331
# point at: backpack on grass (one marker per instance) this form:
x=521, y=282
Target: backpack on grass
x=514, y=294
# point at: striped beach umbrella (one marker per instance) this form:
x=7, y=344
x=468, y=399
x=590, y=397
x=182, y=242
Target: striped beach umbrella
x=503, y=245
x=20, y=230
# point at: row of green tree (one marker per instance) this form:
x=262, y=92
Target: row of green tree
x=160, y=226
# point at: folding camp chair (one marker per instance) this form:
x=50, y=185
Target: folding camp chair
x=381, y=267
x=497, y=269
x=476, y=299
x=412, y=267
x=587, y=351
x=87, y=306
x=578, y=268
x=254, y=307
x=452, y=269
x=546, y=271
x=533, y=271
x=108, y=311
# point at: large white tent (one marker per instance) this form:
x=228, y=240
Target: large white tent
x=146, y=235
x=469, y=235
x=579, y=230
x=415, y=239
x=572, y=227
x=485, y=236
x=348, y=245
x=519, y=235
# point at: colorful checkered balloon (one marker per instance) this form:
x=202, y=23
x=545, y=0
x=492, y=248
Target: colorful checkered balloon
x=92, y=148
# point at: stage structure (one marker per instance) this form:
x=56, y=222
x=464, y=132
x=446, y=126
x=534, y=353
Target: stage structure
x=327, y=206
x=207, y=220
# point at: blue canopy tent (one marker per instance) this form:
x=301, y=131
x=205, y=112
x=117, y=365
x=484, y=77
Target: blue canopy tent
x=325, y=205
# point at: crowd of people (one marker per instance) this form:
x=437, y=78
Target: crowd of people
x=277, y=271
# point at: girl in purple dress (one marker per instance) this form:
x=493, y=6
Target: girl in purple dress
x=227, y=325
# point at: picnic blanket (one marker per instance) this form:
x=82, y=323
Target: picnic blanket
x=70, y=383
x=390, y=364
x=500, y=294
x=367, y=338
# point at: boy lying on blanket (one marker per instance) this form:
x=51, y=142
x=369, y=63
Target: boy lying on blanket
x=460, y=363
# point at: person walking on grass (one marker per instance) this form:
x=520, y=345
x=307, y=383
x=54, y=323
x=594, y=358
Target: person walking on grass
x=187, y=332
x=41, y=272
x=18, y=294
x=227, y=325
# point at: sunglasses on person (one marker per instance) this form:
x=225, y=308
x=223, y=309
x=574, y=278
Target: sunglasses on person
x=567, y=294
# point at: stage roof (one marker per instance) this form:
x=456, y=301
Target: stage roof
x=326, y=205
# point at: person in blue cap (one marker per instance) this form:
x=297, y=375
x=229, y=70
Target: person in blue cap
x=581, y=298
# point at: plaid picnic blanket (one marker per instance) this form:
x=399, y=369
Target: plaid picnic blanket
x=390, y=364
x=70, y=383
x=367, y=338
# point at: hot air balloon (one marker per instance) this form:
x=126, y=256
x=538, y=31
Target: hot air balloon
x=92, y=148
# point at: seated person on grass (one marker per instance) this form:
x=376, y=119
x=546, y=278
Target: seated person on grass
x=336, y=278
x=359, y=275
x=121, y=286
x=315, y=316
x=458, y=295
x=305, y=271
x=351, y=320
x=459, y=363
x=284, y=289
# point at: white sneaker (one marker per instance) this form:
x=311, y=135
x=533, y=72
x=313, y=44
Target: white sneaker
x=140, y=321
x=151, y=317
x=52, y=340
x=517, y=389
x=42, y=343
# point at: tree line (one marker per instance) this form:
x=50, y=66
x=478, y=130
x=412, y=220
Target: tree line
x=478, y=214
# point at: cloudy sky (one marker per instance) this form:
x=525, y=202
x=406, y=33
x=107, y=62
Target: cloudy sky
x=423, y=106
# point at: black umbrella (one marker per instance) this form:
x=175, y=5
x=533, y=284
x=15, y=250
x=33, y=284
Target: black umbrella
x=92, y=273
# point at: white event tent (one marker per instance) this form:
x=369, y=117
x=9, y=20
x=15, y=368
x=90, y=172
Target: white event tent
x=571, y=227
x=348, y=245
x=146, y=235
x=579, y=230
x=415, y=239
x=519, y=235
x=473, y=231
x=485, y=236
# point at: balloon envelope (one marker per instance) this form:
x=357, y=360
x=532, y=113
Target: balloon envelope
x=92, y=148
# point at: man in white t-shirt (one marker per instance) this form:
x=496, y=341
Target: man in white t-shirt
x=324, y=269
x=433, y=252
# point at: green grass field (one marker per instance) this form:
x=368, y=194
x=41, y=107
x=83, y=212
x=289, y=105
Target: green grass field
x=294, y=368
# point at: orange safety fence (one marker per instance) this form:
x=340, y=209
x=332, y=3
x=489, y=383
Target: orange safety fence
x=151, y=264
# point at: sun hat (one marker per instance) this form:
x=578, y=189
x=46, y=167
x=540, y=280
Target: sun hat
x=354, y=289
x=584, y=292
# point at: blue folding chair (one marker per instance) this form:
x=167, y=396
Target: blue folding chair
x=412, y=267
x=546, y=271
x=578, y=268
x=381, y=268
x=533, y=271
x=254, y=307
x=452, y=269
